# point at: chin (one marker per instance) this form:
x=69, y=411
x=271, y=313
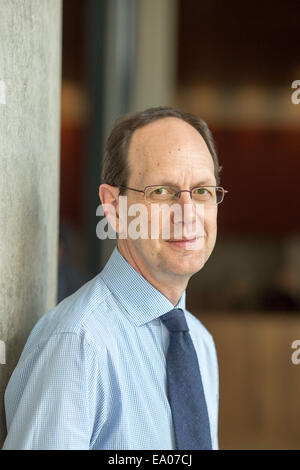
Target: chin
x=186, y=265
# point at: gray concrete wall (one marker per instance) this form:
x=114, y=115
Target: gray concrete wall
x=30, y=70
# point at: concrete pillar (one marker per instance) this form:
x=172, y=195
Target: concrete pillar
x=30, y=77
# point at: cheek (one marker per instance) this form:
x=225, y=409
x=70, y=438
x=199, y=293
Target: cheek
x=210, y=221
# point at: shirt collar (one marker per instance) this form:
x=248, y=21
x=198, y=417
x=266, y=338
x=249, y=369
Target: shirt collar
x=142, y=301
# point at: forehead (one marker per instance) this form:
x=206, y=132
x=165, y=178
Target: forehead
x=169, y=147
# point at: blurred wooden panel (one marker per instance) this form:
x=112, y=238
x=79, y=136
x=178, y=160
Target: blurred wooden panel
x=260, y=170
x=259, y=384
x=230, y=42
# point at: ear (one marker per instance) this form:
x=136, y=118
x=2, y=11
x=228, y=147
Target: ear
x=109, y=197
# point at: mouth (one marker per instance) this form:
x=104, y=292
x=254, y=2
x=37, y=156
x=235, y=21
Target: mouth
x=186, y=243
x=185, y=239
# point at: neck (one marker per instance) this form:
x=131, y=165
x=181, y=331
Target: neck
x=170, y=289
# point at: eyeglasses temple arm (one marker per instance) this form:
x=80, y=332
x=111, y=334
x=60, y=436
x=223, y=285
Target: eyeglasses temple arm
x=132, y=189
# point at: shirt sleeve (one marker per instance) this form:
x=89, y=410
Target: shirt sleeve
x=48, y=402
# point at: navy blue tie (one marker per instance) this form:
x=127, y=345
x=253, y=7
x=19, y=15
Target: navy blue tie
x=184, y=385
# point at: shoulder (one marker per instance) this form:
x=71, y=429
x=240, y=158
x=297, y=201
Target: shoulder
x=72, y=316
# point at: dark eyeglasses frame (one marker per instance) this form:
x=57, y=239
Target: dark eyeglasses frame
x=179, y=191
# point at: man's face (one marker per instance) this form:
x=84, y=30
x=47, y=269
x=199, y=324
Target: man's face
x=170, y=151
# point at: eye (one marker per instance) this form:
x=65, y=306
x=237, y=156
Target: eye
x=160, y=191
x=203, y=194
x=203, y=191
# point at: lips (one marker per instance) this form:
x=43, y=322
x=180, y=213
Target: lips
x=186, y=244
x=183, y=239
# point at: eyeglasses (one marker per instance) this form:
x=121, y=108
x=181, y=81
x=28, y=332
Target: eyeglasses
x=168, y=194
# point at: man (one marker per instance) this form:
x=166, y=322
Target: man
x=121, y=364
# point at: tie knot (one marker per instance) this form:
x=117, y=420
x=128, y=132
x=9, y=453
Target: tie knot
x=175, y=320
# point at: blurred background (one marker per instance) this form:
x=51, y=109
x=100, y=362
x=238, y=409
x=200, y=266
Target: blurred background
x=232, y=64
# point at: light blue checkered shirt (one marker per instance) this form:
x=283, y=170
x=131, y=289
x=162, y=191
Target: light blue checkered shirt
x=92, y=374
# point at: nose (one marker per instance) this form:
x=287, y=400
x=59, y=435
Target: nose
x=187, y=207
x=185, y=196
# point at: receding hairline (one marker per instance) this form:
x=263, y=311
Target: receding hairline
x=154, y=123
x=167, y=118
x=115, y=162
